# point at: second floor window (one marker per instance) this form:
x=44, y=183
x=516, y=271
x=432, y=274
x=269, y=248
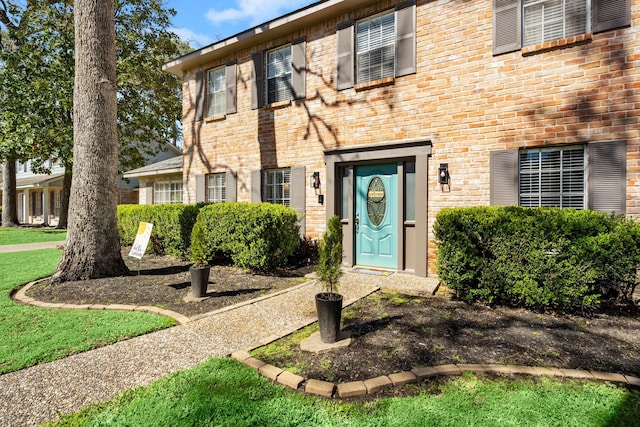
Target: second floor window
x=548, y=20
x=217, y=187
x=375, y=48
x=216, y=102
x=279, y=75
x=276, y=185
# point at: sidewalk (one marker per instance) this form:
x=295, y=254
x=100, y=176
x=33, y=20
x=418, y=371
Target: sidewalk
x=35, y=395
x=31, y=246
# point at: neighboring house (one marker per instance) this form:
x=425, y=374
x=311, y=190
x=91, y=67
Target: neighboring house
x=160, y=182
x=39, y=195
x=385, y=112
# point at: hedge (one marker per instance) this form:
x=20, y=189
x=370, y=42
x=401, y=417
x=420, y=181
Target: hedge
x=542, y=258
x=254, y=236
x=172, y=225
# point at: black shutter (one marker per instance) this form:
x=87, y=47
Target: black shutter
x=257, y=80
x=201, y=189
x=299, y=194
x=507, y=26
x=345, y=69
x=232, y=187
x=231, y=93
x=256, y=186
x=607, y=175
x=299, y=68
x=610, y=14
x=200, y=94
x=504, y=178
x=406, y=38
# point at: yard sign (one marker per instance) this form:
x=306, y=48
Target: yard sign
x=142, y=240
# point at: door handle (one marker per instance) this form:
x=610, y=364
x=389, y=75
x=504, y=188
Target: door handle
x=357, y=222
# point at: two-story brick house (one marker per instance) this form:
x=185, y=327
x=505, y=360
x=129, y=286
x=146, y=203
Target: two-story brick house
x=384, y=112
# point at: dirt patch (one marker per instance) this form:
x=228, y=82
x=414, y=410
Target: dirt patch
x=391, y=332
x=164, y=281
x=395, y=332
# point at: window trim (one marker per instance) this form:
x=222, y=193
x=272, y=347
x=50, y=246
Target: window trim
x=169, y=201
x=358, y=53
x=286, y=186
x=221, y=187
x=286, y=74
x=222, y=93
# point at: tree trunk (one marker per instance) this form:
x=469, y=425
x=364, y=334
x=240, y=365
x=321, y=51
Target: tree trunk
x=9, y=194
x=92, y=249
x=64, y=198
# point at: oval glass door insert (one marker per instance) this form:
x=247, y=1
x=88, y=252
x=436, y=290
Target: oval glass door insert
x=376, y=201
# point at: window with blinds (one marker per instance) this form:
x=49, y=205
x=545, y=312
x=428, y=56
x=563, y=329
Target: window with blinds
x=279, y=75
x=167, y=192
x=276, y=186
x=547, y=20
x=217, y=187
x=375, y=48
x=216, y=96
x=552, y=177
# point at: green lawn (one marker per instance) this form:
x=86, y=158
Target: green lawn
x=15, y=236
x=222, y=392
x=32, y=335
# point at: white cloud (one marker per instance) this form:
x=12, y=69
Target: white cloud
x=192, y=38
x=254, y=12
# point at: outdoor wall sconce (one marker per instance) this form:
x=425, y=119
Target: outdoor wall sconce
x=315, y=180
x=443, y=173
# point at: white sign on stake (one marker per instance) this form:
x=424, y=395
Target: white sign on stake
x=142, y=240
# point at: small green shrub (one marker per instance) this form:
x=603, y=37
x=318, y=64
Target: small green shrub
x=172, y=225
x=559, y=259
x=254, y=236
x=329, y=268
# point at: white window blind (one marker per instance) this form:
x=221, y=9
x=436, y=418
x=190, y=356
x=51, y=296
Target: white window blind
x=217, y=187
x=375, y=48
x=547, y=20
x=277, y=186
x=279, y=75
x=216, y=100
x=552, y=177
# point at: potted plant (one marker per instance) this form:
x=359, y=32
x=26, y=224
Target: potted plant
x=200, y=268
x=329, y=270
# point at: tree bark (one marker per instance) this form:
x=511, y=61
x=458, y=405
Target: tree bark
x=92, y=249
x=9, y=194
x=64, y=198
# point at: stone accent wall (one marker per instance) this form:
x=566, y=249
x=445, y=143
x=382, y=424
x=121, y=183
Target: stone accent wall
x=462, y=98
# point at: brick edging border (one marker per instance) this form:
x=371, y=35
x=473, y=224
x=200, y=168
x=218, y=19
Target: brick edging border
x=20, y=296
x=374, y=385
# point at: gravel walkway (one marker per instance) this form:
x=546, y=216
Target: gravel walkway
x=38, y=394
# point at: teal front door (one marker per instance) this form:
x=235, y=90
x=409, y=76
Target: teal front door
x=376, y=216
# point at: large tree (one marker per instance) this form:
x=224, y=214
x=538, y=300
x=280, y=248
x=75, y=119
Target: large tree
x=92, y=249
x=37, y=50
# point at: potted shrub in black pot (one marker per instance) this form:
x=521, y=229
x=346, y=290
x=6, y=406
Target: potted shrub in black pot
x=200, y=268
x=329, y=270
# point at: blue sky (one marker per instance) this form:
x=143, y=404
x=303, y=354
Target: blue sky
x=202, y=22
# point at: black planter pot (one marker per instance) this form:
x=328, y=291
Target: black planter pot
x=199, y=281
x=329, y=309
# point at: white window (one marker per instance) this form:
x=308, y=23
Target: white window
x=375, y=48
x=548, y=20
x=216, y=99
x=552, y=177
x=217, y=187
x=276, y=186
x=279, y=75
x=167, y=192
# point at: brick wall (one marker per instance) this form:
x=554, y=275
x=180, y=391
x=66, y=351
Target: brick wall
x=462, y=98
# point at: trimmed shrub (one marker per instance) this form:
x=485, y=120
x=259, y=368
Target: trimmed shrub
x=254, y=236
x=543, y=258
x=172, y=225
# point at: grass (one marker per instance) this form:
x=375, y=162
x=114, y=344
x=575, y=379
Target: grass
x=32, y=335
x=17, y=236
x=221, y=392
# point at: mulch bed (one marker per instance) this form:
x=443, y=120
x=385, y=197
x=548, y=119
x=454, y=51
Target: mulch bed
x=391, y=332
